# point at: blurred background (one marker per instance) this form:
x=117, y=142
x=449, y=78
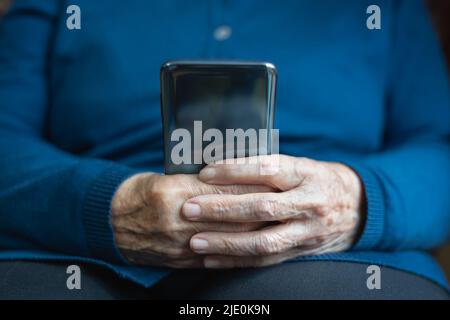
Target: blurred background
x=440, y=12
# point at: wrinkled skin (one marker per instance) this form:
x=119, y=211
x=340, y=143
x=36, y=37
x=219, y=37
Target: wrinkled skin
x=317, y=208
x=238, y=215
x=148, y=227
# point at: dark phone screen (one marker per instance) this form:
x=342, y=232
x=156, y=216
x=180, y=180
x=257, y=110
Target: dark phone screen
x=221, y=99
x=220, y=96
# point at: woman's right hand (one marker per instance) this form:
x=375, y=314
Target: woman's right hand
x=148, y=226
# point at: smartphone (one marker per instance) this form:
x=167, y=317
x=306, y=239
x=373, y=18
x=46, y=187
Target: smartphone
x=206, y=103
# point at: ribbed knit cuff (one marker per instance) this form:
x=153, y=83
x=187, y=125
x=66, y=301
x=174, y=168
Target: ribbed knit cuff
x=374, y=224
x=97, y=213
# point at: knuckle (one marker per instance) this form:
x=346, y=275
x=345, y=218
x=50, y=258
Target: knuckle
x=321, y=211
x=265, y=163
x=218, y=209
x=265, y=209
x=227, y=246
x=170, y=186
x=267, y=245
x=270, y=168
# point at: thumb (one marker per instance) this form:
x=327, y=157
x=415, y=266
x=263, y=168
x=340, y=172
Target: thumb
x=277, y=171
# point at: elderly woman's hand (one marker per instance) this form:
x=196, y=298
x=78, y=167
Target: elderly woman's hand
x=148, y=229
x=319, y=208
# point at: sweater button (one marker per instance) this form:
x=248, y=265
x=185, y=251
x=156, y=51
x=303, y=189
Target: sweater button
x=222, y=33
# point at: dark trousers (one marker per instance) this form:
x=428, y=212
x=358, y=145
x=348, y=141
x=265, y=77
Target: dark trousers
x=293, y=280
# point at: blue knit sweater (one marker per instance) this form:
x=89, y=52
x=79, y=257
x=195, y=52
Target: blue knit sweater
x=79, y=113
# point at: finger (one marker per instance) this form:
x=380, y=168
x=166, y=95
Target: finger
x=271, y=240
x=278, y=171
x=143, y=258
x=235, y=189
x=227, y=262
x=193, y=263
x=187, y=186
x=228, y=227
x=202, y=187
x=246, y=207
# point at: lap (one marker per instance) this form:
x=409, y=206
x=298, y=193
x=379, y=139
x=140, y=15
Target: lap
x=48, y=280
x=293, y=280
x=316, y=280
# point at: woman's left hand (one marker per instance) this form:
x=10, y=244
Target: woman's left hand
x=317, y=207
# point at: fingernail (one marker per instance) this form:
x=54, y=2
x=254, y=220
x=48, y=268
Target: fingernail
x=211, y=263
x=199, y=245
x=207, y=174
x=191, y=210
